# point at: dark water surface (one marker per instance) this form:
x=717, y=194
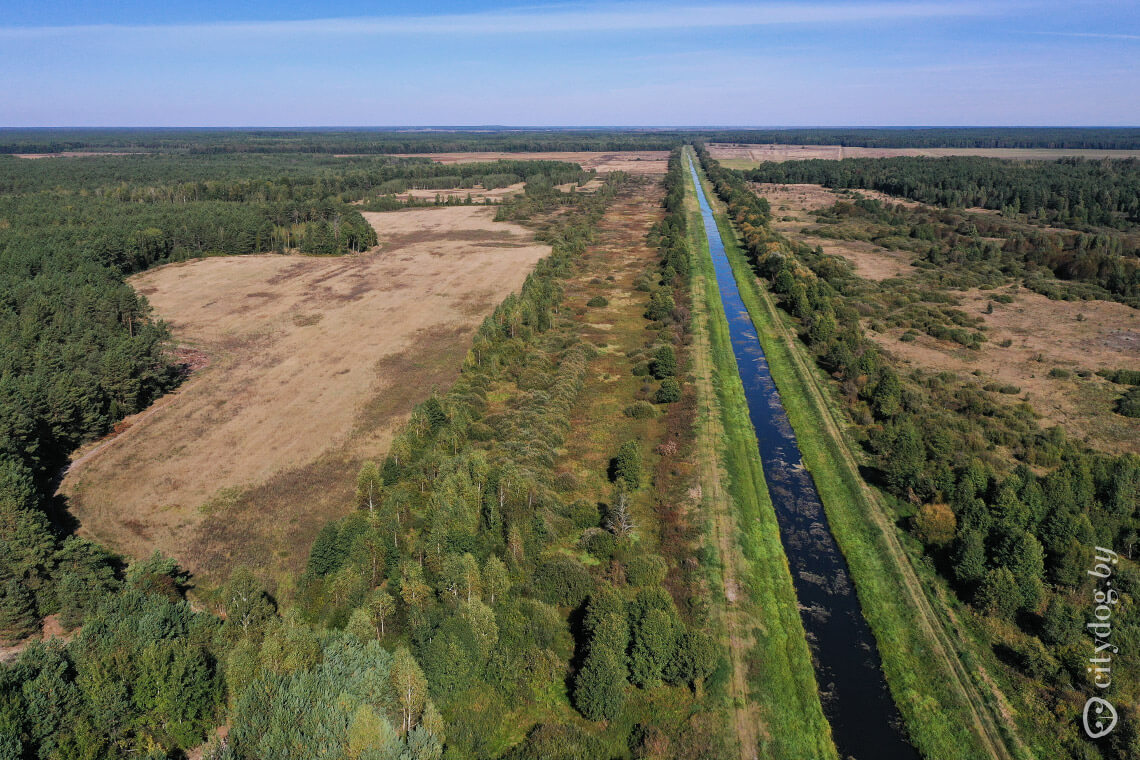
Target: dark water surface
x=865, y=723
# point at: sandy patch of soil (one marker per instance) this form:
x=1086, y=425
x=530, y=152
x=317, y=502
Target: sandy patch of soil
x=477, y=193
x=1044, y=334
x=631, y=161
x=312, y=359
x=49, y=629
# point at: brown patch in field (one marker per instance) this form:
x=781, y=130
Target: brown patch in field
x=589, y=186
x=477, y=193
x=314, y=362
x=793, y=214
x=743, y=156
x=631, y=161
x=1044, y=334
x=870, y=261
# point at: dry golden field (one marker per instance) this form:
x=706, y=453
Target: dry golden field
x=312, y=364
x=792, y=207
x=1043, y=335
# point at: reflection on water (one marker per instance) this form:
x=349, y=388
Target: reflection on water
x=864, y=721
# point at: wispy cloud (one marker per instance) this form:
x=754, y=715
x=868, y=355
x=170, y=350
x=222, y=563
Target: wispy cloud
x=545, y=20
x=1094, y=35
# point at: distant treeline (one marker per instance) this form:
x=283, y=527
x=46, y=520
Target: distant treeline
x=179, y=178
x=1057, y=138
x=1071, y=191
x=524, y=140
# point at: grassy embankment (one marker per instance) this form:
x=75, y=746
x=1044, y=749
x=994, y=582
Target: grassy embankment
x=948, y=715
x=777, y=698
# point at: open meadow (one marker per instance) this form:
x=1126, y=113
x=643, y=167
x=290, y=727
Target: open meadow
x=312, y=364
x=1052, y=369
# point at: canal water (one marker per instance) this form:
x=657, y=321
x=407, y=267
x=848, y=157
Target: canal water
x=865, y=722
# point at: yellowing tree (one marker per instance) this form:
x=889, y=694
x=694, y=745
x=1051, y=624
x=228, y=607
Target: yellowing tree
x=410, y=686
x=368, y=486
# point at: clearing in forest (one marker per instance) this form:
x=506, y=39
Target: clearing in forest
x=1046, y=353
x=793, y=207
x=747, y=156
x=1026, y=338
x=313, y=363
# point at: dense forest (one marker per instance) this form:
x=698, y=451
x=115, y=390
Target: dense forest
x=176, y=178
x=522, y=139
x=1006, y=511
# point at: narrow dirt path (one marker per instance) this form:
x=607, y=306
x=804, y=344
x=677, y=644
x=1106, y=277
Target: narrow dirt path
x=126, y=425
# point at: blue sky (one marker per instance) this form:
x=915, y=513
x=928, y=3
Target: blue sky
x=287, y=63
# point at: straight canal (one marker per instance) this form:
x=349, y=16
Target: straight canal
x=865, y=723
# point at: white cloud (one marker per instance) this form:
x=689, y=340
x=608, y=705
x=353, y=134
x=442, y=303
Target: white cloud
x=549, y=20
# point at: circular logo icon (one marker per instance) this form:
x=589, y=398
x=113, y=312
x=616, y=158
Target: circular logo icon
x=1100, y=717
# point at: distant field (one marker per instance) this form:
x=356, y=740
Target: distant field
x=632, y=161
x=741, y=156
x=792, y=206
x=1077, y=335
x=1044, y=335
x=312, y=364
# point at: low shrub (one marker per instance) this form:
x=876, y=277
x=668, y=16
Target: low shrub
x=640, y=410
x=669, y=392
